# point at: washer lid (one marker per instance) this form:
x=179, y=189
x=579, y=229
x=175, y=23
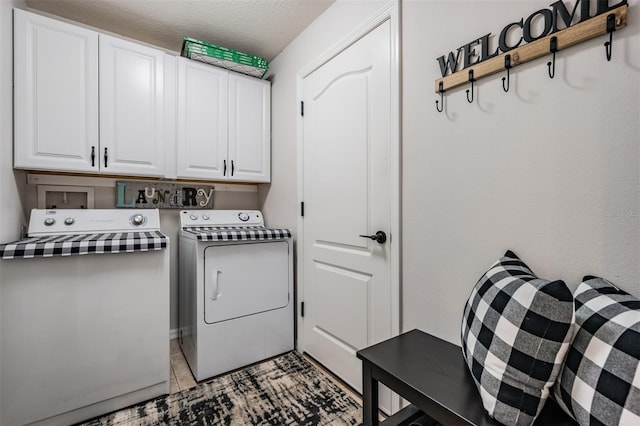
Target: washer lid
x=72, y=245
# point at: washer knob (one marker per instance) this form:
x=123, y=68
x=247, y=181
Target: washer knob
x=193, y=217
x=69, y=221
x=206, y=217
x=49, y=221
x=137, y=219
x=243, y=216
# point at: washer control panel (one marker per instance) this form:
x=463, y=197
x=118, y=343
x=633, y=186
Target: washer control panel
x=92, y=221
x=221, y=218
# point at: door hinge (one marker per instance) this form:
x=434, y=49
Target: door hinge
x=302, y=108
x=302, y=309
x=302, y=208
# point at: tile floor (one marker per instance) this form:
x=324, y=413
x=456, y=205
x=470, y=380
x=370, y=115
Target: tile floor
x=181, y=377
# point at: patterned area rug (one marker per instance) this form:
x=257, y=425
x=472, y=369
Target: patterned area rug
x=287, y=390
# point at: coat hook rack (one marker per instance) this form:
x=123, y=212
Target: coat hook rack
x=507, y=66
x=611, y=27
x=471, y=80
x=441, y=90
x=597, y=26
x=553, y=48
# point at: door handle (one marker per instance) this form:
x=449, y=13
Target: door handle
x=380, y=237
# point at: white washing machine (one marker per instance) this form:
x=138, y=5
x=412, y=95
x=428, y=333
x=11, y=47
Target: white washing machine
x=85, y=315
x=236, y=290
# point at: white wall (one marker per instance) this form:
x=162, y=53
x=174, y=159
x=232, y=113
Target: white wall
x=11, y=217
x=549, y=169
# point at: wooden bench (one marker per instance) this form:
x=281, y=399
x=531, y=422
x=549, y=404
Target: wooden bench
x=432, y=375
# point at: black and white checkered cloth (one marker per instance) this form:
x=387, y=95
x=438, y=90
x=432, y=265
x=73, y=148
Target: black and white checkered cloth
x=70, y=245
x=600, y=380
x=516, y=330
x=254, y=233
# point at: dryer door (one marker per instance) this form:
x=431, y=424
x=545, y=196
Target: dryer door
x=245, y=279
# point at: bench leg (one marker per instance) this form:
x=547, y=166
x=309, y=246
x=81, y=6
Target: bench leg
x=369, y=397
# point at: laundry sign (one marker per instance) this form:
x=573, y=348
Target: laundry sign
x=163, y=195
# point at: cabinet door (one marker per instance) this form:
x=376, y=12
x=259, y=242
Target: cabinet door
x=131, y=108
x=56, y=94
x=249, y=129
x=202, y=121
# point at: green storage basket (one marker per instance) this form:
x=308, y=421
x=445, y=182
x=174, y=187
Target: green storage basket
x=224, y=57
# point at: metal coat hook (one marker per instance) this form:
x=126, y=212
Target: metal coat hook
x=611, y=27
x=553, y=48
x=507, y=65
x=441, y=91
x=471, y=79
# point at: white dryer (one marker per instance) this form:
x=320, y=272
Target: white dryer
x=235, y=291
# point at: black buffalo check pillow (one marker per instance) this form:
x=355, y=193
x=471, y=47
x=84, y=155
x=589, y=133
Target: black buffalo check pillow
x=516, y=330
x=600, y=380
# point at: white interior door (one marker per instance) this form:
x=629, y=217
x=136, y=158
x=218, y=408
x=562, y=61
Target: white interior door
x=348, y=192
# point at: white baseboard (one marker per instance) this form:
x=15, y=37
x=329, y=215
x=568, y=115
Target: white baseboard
x=173, y=334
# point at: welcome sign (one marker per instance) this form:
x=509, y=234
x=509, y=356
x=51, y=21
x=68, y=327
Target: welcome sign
x=514, y=34
x=163, y=195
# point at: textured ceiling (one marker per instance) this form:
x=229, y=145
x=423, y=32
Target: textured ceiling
x=257, y=27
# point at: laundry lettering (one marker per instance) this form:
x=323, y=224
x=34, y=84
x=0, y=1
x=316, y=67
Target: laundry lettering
x=162, y=195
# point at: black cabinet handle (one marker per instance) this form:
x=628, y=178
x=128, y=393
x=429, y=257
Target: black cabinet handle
x=93, y=156
x=232, y=167
x=106, y=157
x=380, y=237
x=224, y=172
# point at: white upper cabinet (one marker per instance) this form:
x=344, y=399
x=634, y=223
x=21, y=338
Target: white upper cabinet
x=249, y=129
x=87, y=102
x=131, y=108
x=56, y=94
x=223, y=126
x=72, y=116
x=202, y=123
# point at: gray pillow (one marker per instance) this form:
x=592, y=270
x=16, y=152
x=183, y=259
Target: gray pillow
x=600, y=379
x=516, y=330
